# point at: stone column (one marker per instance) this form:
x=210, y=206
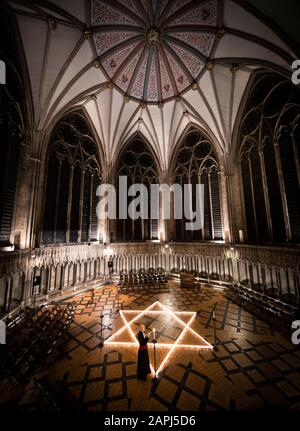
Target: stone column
x=48, y=282
x=81, y=205
x=70, y=196
x=57, y=200
x=62, y=278
x=282, y=193
x=104, y=224
x=225, y=185
x=7, y=294
x=266, y=194
x=23, y=289
x=26, y=195
x=232, y=204
x=91, y=205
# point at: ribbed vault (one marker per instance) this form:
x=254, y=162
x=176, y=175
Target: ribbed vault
x=148, y=67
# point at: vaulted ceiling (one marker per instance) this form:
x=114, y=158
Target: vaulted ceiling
x=145, y=66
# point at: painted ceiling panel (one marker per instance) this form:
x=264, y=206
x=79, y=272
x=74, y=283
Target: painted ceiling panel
x=138, y=83
x=108, y=40
x=153, y=85
x=202, y=42
x=205, y=14
x=191, y=61
x=131, y=6
x=119, y=39
x=181, y=78
x=102, y=13
x=126, y=74
x=175, y=6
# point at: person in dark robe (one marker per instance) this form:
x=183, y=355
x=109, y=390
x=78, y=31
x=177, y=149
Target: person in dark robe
x=143, y=365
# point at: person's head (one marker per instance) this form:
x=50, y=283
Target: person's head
x=142, y=327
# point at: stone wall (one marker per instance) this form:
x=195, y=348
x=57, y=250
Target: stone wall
x=64, y=269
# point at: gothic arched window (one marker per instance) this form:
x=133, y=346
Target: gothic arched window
x=269, y=160
x=12, y=130
x=73, y=175
x=138, y=166
x=196, y=163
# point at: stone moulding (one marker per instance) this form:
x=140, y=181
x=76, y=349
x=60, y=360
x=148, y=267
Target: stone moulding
x=24, y=260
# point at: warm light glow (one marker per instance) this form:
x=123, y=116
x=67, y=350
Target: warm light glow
x=107, y=251
x=172, y=346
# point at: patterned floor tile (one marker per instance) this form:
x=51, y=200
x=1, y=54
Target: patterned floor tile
x=252, y=367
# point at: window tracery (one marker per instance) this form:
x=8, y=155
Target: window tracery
x=196, y=163
x=73, y=175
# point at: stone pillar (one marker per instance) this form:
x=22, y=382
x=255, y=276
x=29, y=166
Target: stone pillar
x=26, y=195
x=57, y=199
x=104, y=224
x=266, y=194
x=48, y=282
x=70, y=196
x=81, y=205
x=282, y=193
x=23, y=288
x=62, y=278
x=233, y=216
x=225, y=187
x=8, y=294
x=170, y=224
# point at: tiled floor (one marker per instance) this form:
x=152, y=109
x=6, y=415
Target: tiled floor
x=254, y=367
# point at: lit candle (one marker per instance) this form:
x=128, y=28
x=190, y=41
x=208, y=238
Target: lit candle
x=153, y=333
